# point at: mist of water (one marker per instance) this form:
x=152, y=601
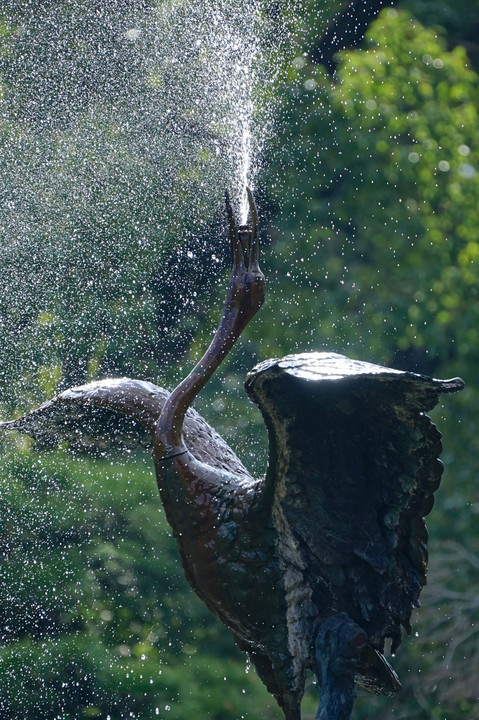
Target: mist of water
x=120, y=131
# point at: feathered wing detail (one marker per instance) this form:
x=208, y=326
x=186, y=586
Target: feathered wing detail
x=119, y=413
x=352, y=471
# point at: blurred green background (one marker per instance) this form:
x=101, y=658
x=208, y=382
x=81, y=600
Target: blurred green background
x=368, y=191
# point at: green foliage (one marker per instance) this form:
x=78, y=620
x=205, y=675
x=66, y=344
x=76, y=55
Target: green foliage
x=97, y=618
x=373, y=193
x=383, y=172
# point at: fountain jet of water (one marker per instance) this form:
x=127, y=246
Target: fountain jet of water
x=245, y=160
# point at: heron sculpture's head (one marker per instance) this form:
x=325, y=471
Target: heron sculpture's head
x=246, y=291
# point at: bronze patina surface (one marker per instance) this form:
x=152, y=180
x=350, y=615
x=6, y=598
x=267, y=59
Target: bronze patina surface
x=319, y=562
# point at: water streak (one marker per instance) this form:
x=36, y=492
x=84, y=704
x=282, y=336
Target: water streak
x=246, y=171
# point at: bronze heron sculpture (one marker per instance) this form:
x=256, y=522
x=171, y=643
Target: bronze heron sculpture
x=315, y=565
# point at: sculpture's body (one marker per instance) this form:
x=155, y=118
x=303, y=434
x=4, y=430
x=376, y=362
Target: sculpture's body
x=315, y=565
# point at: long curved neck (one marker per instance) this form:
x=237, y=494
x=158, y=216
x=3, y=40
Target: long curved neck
x=170, y=424
x=244, y=298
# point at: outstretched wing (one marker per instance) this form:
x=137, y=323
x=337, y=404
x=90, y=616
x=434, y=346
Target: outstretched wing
x=352, y=469
x=118, y=413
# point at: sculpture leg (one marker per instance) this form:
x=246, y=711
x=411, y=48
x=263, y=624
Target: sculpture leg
x=337, y=649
